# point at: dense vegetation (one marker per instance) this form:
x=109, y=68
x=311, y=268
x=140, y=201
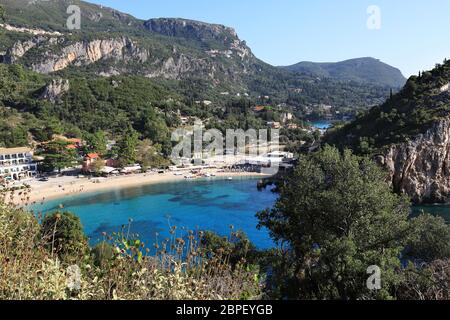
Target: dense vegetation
x=410, y=112
x=163, y=38
x=112, y=105
x=52, y=261
x=335, y=218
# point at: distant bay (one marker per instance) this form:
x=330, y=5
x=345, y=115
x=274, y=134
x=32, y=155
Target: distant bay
x=321, y=124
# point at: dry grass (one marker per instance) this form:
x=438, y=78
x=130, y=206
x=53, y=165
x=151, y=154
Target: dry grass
x=181, y=269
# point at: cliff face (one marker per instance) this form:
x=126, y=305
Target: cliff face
x=54, y=90
x=188, y=29
x=47, y=54
x=420, y=168
x=111, y=43
x=87, y=52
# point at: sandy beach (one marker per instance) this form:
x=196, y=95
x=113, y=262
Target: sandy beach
x=59, y=187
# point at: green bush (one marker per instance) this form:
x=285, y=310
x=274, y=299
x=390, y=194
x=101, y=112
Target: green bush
x=64, y=237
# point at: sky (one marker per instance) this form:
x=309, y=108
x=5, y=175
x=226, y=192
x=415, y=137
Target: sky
x=412, y=35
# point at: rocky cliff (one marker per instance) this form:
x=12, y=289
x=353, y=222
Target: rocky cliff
x=409, y=135
x=87, y=52
x=54, y=90
x=189, y=29
x=420, y=168
x=47, y=54
x=211, y=57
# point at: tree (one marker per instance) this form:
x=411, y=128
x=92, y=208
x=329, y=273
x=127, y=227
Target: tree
x=430, y=239
x=64, y=236
x=127, y=147
x=149, y=155
x=57, y=155
x=153, y=126
x=98, y=166
x=2, y=13
x=430, y=282
x=238, y=248
x=337, y=217
x=97, y=142
x=12, y=136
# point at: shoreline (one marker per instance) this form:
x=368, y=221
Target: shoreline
x=60, y=187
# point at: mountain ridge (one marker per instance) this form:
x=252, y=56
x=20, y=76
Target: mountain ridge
x=365, y=69
x=114, y=43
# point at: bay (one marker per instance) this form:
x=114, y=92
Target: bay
x=207, y=205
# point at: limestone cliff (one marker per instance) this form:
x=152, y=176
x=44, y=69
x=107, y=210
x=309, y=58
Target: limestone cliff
x=420, y=168
x=410, y=133
x=87, y=52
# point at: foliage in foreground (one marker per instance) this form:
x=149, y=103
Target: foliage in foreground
x=337, y=217
x=53, y=261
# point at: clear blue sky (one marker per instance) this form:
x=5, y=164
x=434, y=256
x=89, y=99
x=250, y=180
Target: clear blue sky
x=414, y=34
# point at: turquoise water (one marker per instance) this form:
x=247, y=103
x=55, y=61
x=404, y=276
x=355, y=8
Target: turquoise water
x=437, y=210
x=195, y=205
x=322, y=125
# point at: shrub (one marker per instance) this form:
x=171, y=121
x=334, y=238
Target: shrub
x=121, y=267
x=63, y=236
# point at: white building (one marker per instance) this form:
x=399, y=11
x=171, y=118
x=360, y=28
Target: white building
x=17, y=164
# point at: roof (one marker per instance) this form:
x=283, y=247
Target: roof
x=4, y=151
x=258, y=108
x=71, y=146
x=74, y=140
x=92, y=156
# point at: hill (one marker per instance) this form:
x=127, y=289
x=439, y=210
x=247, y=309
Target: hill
x=118, y=73
x=409, y=135
x=113, y=43
x=363, y=70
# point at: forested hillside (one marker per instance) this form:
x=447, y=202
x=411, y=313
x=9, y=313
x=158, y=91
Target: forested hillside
x=422, y=102
x=123, y=67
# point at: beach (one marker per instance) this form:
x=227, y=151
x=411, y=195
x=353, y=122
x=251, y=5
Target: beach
x=62, y=186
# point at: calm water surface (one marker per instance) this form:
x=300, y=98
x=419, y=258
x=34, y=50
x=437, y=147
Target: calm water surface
x=196, y=205
x=211, y=204
x=437, y=210
x=322, y=125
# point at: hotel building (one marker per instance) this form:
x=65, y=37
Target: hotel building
x=17, y=164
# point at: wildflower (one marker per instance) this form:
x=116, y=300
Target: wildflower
x=73, y=281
